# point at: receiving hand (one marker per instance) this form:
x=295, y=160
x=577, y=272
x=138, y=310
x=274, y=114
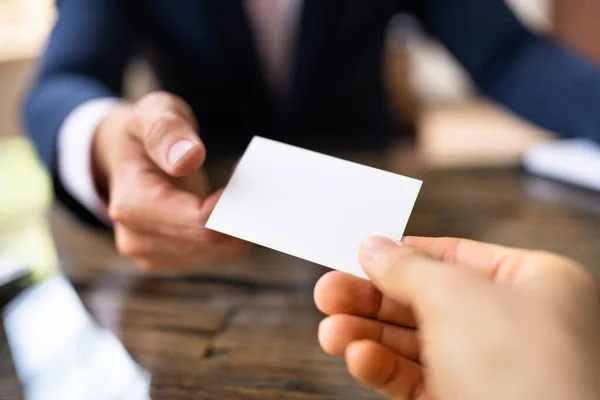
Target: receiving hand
x=457, y=319
x=147, y=157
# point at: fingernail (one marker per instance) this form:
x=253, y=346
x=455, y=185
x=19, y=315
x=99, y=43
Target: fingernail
x=373, y=247
x=178, y=150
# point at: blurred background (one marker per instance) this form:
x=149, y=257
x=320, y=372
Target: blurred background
x=437, y=97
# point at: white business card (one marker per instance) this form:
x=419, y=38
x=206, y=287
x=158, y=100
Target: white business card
x=310, y=205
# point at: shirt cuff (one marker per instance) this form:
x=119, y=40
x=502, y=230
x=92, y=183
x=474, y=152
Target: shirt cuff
x=75, y=140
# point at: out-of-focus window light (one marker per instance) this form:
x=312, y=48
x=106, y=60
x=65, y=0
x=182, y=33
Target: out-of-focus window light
x=435, y=75
x=24, y=27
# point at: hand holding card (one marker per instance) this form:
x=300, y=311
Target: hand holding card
x=310, y=205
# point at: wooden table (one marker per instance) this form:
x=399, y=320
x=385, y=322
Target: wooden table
x=248, y=330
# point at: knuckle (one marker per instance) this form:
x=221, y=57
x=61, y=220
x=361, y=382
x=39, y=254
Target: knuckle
x=452, y=249
x=157, y=193
x=126, y=246
x=158, y=98
x=397, y=255
x=120, y=212
x=159, y=127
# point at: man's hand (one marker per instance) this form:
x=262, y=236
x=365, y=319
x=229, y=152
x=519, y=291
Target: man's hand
x=147, y=159
x=457, y=319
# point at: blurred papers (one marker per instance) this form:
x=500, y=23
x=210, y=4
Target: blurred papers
x=60, y=353
x=475, y=134
x=575, y=161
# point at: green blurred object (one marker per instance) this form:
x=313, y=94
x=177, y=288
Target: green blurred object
x=25, y=198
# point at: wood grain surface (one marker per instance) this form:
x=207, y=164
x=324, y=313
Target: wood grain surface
x=247, y=330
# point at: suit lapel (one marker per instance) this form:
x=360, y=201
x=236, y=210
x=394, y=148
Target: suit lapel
x=315, y=24
x=239, y=51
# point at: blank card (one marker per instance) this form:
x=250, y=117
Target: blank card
x=310, y=205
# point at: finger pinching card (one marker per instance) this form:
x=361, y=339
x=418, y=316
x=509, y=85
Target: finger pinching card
x=312, y=206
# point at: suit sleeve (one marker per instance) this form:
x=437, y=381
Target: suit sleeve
x=84, y=60
x=532, y=75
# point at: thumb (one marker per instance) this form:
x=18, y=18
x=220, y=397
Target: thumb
x=165, y=125
x=407, y=276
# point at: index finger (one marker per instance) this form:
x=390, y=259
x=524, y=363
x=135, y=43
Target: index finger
x=340, y=293
x=489, y=259
x=411, y=277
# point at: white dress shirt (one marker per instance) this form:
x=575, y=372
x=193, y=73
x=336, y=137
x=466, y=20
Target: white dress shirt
x=274, y=24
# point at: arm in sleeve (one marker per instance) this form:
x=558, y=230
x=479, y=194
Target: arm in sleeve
x=532, y=75
x=84, y=60
x=74, y=170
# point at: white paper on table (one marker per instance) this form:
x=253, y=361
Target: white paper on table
x=59, y=351
x=310, y=205
x=575, y=161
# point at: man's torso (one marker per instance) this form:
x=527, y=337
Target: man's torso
x=206, y=52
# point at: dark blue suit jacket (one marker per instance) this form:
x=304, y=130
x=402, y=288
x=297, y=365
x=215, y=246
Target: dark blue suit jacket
x=203, y=51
